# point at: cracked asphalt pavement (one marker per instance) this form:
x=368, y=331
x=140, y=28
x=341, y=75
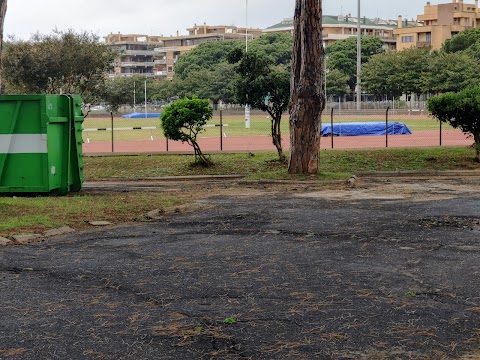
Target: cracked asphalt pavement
x=389, y=270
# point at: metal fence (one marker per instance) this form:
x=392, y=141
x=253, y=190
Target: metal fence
x=227, y=132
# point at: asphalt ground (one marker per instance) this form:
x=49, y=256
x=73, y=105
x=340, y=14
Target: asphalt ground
x=387, y=270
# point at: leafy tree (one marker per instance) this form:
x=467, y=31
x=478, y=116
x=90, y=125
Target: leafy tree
x=117, y=92
x=462, y=41
x=307, y=98
x=461, y=110
x=450, y=72
x=336, y=83
x=381, y=75
x=342, y=55
x=413, y=64
x=264, y=85
x=120, y=91
x=214, y=84
x=61, y=62
x=184, y=119
x=205, y=56
x=276, y=46
x=206, y=72
x=394, y=73
x=3, y=11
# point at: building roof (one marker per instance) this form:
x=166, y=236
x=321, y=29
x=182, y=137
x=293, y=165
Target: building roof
x=340, y=20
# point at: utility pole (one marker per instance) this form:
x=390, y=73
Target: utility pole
x=247, y=107
x=359, y=60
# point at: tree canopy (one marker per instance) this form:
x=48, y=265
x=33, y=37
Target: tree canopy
x=342, y=55
x=450, y=72
x=60, y=62
x=206, y=72
x=381, y=75
x=336, y=83
x=205, y=56
x=184, y=119
x=461, y=110
x=265, y=85
x=462, y=41
x=130, y=90
x=395, y=73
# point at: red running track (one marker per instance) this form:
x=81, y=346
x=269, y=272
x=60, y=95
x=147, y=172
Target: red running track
x=258, y=143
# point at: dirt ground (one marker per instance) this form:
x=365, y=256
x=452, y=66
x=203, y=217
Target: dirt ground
x=388, y=269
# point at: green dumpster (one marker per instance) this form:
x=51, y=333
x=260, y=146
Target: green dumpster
x=40, y=144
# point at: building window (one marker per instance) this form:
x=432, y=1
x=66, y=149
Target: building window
x=407, y=39
x=428, y=37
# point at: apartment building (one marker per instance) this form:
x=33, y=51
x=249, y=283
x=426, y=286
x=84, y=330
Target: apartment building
x=437, y=24
x=136, y=54
x=156, y=56
x=344, y=26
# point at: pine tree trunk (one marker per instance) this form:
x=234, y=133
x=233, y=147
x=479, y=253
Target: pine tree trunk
x=307, y=99
x=3, y=10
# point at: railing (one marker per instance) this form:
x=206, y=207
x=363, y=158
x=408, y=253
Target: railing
x=165, y=49
x=137, y=64
x=138, y=52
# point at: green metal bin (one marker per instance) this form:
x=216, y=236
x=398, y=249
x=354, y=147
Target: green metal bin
x=41, y=144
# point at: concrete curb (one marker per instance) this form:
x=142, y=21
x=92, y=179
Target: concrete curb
x=170, y=178
x=419, y=173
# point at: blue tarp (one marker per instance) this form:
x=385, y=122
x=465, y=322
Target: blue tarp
x=137, y=115
x=364, y=128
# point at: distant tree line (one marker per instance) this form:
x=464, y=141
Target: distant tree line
x=76, y=62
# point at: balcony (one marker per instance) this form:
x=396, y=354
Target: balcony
x=138, y=52
x=137, y=64
x=165, y=49
x=161, y=61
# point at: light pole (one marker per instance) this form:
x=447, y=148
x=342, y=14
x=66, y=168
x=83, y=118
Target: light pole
x=359, y=60
x=247, y=107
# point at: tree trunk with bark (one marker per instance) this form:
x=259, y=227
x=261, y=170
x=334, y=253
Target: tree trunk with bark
x=307, y=99
x=476, y=137
x=3, y=10
x=277, y=138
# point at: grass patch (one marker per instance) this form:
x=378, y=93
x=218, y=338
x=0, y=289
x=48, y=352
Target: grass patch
x=264, y=165
x=406, y=159
x=37, y=214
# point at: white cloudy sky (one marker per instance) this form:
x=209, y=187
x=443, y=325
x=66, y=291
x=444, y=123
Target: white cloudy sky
x=25, y=17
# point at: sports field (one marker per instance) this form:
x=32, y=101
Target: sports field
x=235, y=137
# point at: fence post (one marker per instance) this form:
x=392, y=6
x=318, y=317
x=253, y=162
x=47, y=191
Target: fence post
x=113, y=146
x=221, y=130
x=440, y=132
x=386, y=127
x=331, y=125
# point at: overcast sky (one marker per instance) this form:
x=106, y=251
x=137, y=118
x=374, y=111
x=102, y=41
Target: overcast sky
x=166, y=17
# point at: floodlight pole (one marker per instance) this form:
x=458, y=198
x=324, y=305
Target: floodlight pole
x=359, y=60
x=134, y=97
x=247, y=107
x=146, y=99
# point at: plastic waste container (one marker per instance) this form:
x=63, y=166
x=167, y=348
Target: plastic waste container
x=41, y=144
